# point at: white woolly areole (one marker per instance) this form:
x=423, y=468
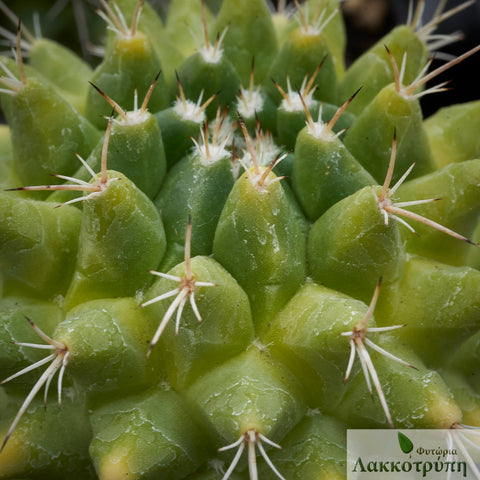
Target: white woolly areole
x=215, y=154
x=135, y=117
x=295, y=104
x=211, y=55
x=225, y=133
x=318, y=131
x=266, y=151
x=312, y=30
x=249, y=103
x=189, y=111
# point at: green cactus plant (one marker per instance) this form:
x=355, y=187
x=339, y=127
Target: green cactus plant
x=205, y=277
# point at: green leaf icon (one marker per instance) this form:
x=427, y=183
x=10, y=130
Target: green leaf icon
x=405, y=443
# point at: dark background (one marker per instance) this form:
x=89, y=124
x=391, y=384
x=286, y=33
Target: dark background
x=366, y=22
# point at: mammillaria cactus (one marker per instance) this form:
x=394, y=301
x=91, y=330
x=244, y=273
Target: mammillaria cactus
x=205, y=262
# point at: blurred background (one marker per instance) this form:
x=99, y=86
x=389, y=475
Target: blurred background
x=75, y=23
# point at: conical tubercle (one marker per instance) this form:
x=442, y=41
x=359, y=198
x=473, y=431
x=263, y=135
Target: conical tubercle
x=187, y=285
x=358, y=339
x=251, y=439
x=58, y=361
x=100, y=181
x=396, y=210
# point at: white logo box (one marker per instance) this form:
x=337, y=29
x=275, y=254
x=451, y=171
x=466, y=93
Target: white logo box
x=413, y=454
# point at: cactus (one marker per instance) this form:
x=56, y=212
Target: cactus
x=205, y=252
